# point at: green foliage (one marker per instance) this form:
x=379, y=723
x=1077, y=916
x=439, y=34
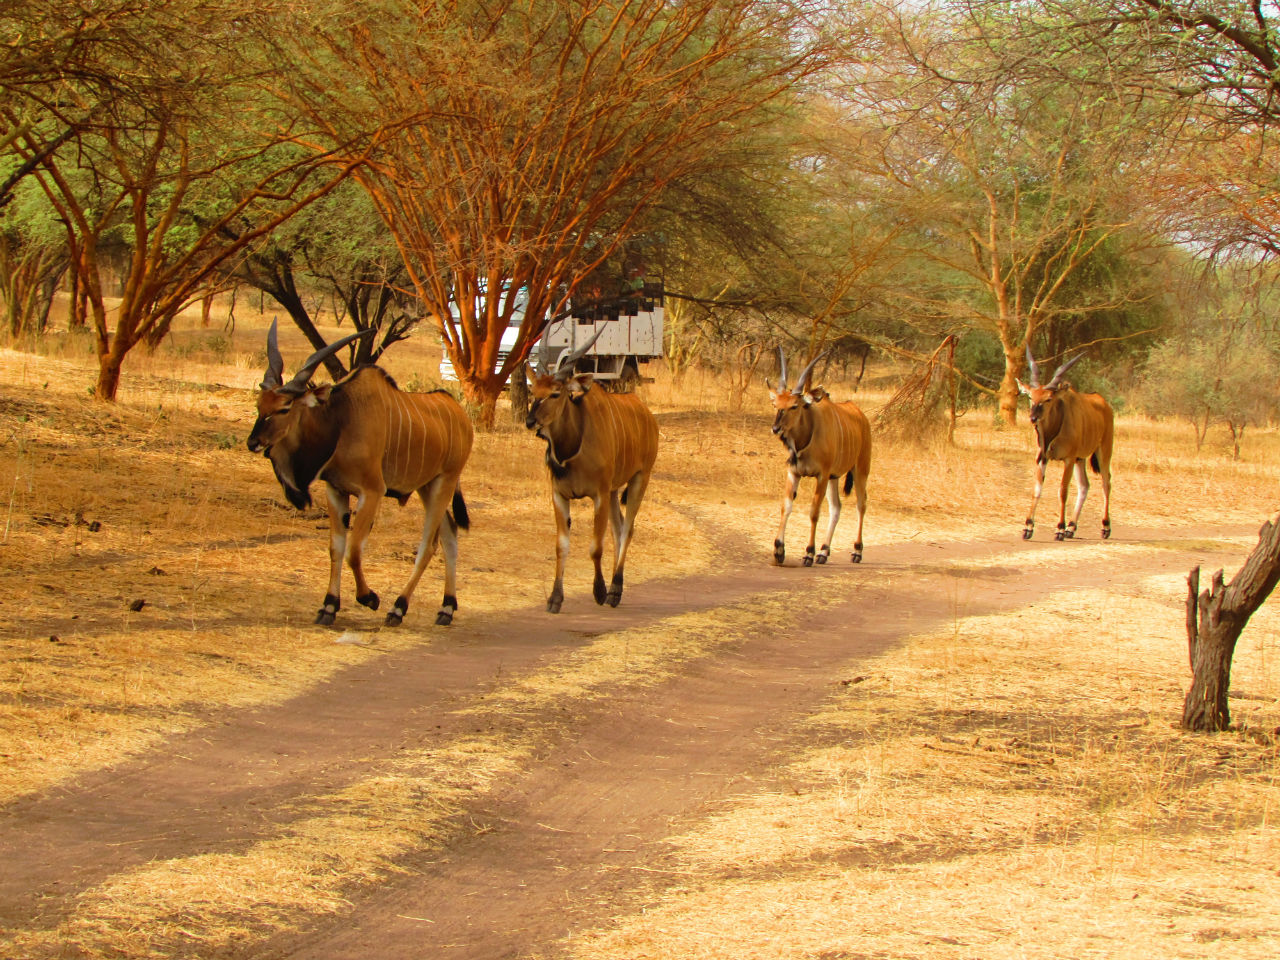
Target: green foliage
x=1226, y=375
x=980, y=356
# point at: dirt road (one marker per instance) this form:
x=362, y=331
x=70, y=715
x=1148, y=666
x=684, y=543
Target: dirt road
x=578, y=828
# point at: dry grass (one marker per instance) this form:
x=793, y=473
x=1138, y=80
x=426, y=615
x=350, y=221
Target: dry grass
x=413, y=802
x=1010, y=787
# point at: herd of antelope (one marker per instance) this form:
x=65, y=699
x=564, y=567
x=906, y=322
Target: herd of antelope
x=367, y=439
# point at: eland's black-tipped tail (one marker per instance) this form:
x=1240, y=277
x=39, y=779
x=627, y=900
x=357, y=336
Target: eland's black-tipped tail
x=848, y=482
x=460, y=515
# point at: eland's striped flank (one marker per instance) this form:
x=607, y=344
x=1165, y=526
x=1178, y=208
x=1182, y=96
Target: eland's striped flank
x=825, y=440
x=599, y=445
x=1072, y=427
x=366, y=438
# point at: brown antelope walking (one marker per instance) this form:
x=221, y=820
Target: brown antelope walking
x=824, y=439
x=1072, y=427
x=598, y=444
x=366, y=438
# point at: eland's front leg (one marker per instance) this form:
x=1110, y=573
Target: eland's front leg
x=815, y=511
x=339, y=520
x=361, y=523
x=1082, y=494
x=1030, y=526
x=1062, y=532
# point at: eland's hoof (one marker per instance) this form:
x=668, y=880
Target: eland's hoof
x=1026, y=533
x=394, y=618
x=822, y=558
x=1060, y=535
x=613, y=599
x=553, y=606
x=779, y=552
x=444, y=618
x=856, y=558
x=1106, y=533
x=324, y=618
x=369, y=600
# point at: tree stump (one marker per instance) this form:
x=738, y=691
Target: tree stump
x=1215, y=619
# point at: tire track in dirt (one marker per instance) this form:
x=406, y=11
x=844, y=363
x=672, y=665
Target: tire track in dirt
x=235, y=780
x=585, y=829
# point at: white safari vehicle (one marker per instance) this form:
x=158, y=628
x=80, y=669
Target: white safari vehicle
x=630, y=328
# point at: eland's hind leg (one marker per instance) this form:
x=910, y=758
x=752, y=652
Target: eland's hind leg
x=1101, y=463
x=435, y=497
x=632, y=496
x=860, y=495
x=833, y=517
x=1106, y=502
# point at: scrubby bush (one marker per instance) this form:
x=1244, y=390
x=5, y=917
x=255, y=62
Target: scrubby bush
x=1224, y=375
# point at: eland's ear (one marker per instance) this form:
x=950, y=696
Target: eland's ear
x=579, y=385
x=530, y=372
x=819, y=393
x=808, y=398
x=1022, y=389
x=321, y=393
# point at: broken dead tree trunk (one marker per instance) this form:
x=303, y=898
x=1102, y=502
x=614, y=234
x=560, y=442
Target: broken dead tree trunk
x=1215, y=619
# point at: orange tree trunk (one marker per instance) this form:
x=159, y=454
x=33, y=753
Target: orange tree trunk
x=481, y=395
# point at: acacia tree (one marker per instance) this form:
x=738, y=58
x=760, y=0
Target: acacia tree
x=196, y=130
x=534, y=134
x=33, y=259
x=1005, y=187
x=48, y=49
x=1212, y=68
x=336, y=250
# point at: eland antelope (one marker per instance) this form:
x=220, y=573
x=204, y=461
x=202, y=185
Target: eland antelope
x=599, y=444
x=1072, y=427
x=365, y=438
x=824, y=439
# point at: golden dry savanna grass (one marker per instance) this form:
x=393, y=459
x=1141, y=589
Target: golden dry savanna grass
x=1010, y=786
x=417, y=799
x=998, y=790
